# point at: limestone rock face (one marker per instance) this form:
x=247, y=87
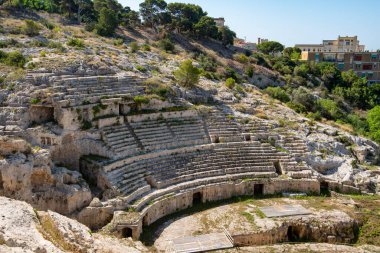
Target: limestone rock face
x=10, y=146
x=24, y=230
x=33, y=178
x=19, y=228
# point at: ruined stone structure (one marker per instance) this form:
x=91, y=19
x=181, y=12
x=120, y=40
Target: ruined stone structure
x=141, y=161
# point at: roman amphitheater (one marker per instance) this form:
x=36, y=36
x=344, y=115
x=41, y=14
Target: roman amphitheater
x=82, y=145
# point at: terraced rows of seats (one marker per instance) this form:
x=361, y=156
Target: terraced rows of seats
x=156, y=134
x=221, y=125
x=77, y=90
x=241, y=160
x=296, y=146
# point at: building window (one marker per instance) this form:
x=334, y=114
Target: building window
x=370, y=75
x=341, y=66
x=374, y=56
x=358, y=58
x=363, y=74
x=367, y=66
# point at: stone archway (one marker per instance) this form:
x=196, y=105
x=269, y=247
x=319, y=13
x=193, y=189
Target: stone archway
x=197, y=198
x=126, y=232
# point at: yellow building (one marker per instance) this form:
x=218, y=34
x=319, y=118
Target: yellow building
x=345, y=44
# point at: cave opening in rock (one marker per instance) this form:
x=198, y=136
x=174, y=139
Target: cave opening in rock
x=126, y=232
x=197, y=198
x=292, y=234
x=258, y=190
x=1, y=182
x=324, y=188
x=278, y=167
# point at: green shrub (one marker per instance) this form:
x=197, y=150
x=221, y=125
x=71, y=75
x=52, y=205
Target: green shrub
x=146, y=47
x=118, y=42
x=155, y=86
x=14, y=58
x=31, y=28
x=86, y=125
x=37, y=43
x=249, y=71
x=374, y=123
x=134, y=47
x=56, y=45
x=47, y=24
x=141, y=68
x=229, y=72
x=330, y=109
x=187, y=75
x=230, y=83
x=210, y=75
x=9, y=43
x=75, y=42
x=207, y=63
x=359, y=124
x=278, y=93
x=141, y=100
x=35, y=101
x=43, y=53
x=166, y=45
x=314, y=115
x=242, y=58
x=296, y=107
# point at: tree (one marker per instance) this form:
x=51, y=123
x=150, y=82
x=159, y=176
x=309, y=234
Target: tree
x=113, y=5
x=226, y=35
x=329, y=74
x=270, y=47
x=152, y=12
x=107, y=22
x=85, y=7
x=131, y=19
x=187, y=75
x=184, y=17
x=374, y=123
x=293, y=53
x=206, y=27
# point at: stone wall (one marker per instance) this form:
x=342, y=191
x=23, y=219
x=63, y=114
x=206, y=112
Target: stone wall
x=165, y=115
x=72, y=118
x=77, y=144
x=328, y=226
x=175, y=202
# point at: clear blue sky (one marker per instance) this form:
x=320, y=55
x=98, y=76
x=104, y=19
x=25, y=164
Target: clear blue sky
x=295, y=21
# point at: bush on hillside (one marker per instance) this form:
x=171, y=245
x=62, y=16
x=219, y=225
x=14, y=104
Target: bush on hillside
x=249, y=71
x=74, y=42
x=14, y=58
x=242, y=58
x=278, y=93
x=230, y=83
x=374, y=123
x=187, y=75
x=31, y=28
x=166, y=45
x=134, y=47
x=206, y=62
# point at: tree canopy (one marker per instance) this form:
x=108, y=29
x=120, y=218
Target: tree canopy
x=187, y=75
x=270, y=47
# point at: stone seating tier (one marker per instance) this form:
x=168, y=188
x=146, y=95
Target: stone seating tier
x=221, y=160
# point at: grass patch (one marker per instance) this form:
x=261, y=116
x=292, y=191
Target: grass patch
x=249, y=217
x=259, y=213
